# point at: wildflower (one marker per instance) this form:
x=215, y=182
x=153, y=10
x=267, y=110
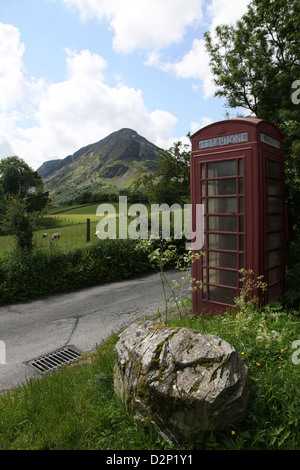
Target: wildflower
x=242, y=353
x=258, y=364
x=281, y=350
x=233, y=433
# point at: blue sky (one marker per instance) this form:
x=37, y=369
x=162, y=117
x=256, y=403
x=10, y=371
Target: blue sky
x=73, y=71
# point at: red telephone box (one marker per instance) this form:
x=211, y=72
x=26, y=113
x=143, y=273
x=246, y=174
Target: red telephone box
x=237, y=173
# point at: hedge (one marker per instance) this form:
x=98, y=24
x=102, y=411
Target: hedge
x=29, y=275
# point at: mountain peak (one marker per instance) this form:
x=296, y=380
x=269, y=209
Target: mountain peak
x=109, y=163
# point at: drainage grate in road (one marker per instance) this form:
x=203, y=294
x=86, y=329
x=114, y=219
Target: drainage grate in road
x=54, y=360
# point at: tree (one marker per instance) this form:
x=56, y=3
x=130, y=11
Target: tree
x=20, y=222
x=258, y=59
x=22, y=199
x=170, y=183
x=18, y=177
x=256, y=65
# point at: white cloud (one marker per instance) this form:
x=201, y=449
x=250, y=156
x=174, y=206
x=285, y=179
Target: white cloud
x=142, y=24
x=226, y=12
x=195, y=63
x=11, y=75
x=205, y=121
x=76, y=112
x=83, y=108
x=155, y=25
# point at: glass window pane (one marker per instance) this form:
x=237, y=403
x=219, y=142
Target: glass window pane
x=274, y=293
x=273, y=168
x=274, y=204
x=274, y=240
x=221, y=294
x=274, y=275
x=224, y=278
x=241, y=205
x=222, y=260
x=274, y=258
x=241, y=164
x=203, y=188
x=222, y=241
x=274, y=223
x=222, y=223
x=219, y=187
x=204, y=275
x=226, y=205
x=274, y=186
x=241, y=185
x=241, y=242
x=241, y=226
x=203, y=258
x=241, y=261
x=220, y=169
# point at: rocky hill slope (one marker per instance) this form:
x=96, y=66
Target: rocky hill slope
x=109, y=163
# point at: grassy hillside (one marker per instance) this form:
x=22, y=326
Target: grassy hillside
x=110, y=163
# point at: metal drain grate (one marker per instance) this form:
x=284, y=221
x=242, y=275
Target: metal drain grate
x=55, y=360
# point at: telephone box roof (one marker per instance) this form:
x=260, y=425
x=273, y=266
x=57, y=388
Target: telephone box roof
x=250, y=121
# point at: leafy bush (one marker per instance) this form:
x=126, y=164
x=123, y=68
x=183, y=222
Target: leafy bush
x=27, y=275
x=292, y=290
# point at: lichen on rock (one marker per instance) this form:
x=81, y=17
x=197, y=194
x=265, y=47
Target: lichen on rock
x=183, y=381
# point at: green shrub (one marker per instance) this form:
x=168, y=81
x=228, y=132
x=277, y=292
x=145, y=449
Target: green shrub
x=27, y=275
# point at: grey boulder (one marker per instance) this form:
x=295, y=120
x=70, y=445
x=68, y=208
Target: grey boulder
x=182, y=381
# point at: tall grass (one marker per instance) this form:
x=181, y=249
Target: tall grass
x=265, y=340
x=73, y=409
x=76, y=408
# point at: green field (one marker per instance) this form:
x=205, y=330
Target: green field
x=71, y=223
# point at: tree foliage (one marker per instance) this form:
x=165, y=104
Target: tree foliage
x=255, y=63
x=22, y=198
x=170, y=183
x=17, y=177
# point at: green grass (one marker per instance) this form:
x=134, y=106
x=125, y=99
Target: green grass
x=71, y=223
x=72, y=235
x=75, y=408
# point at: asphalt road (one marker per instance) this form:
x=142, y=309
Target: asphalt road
x=82, y=319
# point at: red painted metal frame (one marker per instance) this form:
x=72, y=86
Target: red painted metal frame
x=256, y=152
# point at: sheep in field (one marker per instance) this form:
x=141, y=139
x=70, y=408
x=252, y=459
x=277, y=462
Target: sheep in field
x=45, y=235
x=96, y=234
x=55, y=236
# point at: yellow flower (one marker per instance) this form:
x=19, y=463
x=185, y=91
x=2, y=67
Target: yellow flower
x=281, y=350
x=233, y=433
x=257, y=363
x=242, y=353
